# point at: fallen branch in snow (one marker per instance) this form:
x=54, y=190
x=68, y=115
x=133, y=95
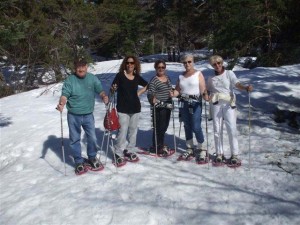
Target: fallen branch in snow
x=47, y=90
x=285, y=162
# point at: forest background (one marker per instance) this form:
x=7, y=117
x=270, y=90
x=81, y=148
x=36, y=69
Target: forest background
x=42, y=37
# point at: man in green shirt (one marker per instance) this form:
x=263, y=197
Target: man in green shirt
x=78, y=94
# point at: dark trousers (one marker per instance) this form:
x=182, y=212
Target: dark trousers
x=162, y=122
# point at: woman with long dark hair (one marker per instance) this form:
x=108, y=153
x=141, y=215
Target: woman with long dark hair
x=126, y=85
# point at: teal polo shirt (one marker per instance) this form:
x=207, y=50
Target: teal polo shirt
x=80, y=93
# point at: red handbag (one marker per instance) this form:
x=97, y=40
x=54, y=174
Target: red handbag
x=111, y=119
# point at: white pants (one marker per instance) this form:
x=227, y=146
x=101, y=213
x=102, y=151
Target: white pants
x=220, y=111
x=129, y=127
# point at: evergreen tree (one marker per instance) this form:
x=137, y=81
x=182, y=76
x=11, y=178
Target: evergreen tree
x=124, y=28
x=49, y=34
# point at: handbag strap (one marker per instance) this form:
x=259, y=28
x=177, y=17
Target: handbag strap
x=114, y=100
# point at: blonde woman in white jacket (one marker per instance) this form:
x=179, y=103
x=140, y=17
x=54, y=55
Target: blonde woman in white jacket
x=220, y=88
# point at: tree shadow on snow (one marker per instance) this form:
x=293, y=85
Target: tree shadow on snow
x=5, y=121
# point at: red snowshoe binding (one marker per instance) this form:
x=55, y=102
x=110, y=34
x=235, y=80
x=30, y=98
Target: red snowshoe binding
x=80, y=169
x=234, y=162
x=93, y=164
x=119, y=161
x=219, y=160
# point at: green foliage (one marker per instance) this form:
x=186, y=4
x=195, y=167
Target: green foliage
x=284, y=54
x=6, y=91
x=250, y=26
x=124, y=27
x=234, y=22
x=51, y=33
x=46, y=33
x=147, y=47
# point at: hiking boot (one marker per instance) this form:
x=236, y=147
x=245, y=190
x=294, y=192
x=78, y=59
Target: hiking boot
x=119, y=160
x=219, y=159
x=130, y=155
x=161, y=150
x=234, y=160
x=80, y=169
x=202, y=155
x=197, y=154
x=93, y=164
x=164, y=151
x=187, y=154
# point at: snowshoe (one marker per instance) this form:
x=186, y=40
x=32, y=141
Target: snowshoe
x=93, y=164
x=119, y=161
x=80, y=169
x=165, y=151
x=201, y=156
x=187, y=155
x=130, y=156
x=234, y=162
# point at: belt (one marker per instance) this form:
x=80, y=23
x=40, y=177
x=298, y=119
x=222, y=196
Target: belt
x=186, y=97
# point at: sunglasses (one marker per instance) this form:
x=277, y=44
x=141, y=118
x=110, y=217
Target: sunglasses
x=161, y=67
x=217, y=63
x=131, y=63
x=187, y=62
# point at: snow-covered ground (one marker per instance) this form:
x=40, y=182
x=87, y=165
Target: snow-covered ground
x=34, y=189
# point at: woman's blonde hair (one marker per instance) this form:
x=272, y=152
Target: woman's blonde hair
x=215, y=59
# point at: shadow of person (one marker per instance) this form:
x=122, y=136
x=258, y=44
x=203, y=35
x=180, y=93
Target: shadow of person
x=144, y=140
x=180, y=143
x=102, y=146
x=55, y=145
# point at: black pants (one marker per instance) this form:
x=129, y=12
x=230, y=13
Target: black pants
x=162, y=122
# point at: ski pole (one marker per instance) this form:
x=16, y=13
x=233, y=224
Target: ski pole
x=100, y=149
x=179, y=116
x=112, y=137
x=154, y=124
x=62, y=143
x=249, y=124
x=180, y=122
x=107, y=131
x=207, y=153
x=174, y=136
x=102, y=144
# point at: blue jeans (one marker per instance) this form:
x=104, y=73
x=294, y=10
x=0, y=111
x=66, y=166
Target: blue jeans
x=87, y=122
x=192, y=121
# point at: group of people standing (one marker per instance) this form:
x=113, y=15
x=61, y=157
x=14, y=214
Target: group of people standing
x=191, y=89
